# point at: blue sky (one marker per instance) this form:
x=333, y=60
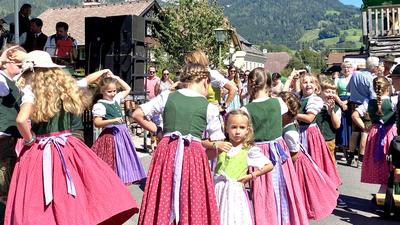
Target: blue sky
x=352, y=2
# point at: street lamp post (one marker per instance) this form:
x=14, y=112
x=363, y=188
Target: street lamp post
x=220, y=35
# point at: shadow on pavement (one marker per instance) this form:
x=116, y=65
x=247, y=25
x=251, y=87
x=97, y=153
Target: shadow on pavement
x=357, y=210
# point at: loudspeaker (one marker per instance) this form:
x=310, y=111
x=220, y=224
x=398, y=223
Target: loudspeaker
x=117, y=43
x=95, y=41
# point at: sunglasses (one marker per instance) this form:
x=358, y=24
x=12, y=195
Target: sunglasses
x=166, y=74
x=152, y=71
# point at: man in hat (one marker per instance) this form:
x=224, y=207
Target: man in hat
x=388, y=63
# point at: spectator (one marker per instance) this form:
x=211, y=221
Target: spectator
x=361, y=89
x=35, y=39
x=165, y=83
x=150, y=82
x=61, y=44
x=277, y=85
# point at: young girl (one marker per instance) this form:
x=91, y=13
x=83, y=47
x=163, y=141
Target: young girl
x=316, y=187
x=57, y=178
x=232, y=170
x=274, y=197
x=115, y=145
x=310, y=135
x=179, y=187
x=382, y=111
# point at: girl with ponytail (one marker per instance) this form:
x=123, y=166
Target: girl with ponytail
x=382, y=111
x=274, y=194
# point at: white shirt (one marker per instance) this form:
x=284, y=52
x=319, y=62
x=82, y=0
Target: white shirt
x=284, y=108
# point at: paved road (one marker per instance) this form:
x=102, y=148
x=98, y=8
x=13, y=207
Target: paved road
x=358, y=196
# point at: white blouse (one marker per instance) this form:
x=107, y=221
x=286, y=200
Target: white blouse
x=292, y=139
x=363, y=108
x=314, y=104
x=217, y=79
x=156, y=107
x=254, y=157
x=100, y=110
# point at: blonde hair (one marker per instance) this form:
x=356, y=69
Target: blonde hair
x=327, y=83
x=194, y=73
x=314, y=80
x=249, y=140
x=53, y=89
x=197, y=56
x=12, y=53
x=381, y=85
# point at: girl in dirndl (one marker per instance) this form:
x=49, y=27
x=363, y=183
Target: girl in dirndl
x=274, y=195
x=382, y=111
x=317, y=189
x=115, y=145
x=179, y=188
x=232, y=170
x=57, y=178
x=310, y=135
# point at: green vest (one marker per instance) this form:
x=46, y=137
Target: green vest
x=9, y=107
x=233, y=167
x=185, y=114
x=303, y=105
x=60, y=122
x=113, y=110
x=324, y=123
x=290, y=127
x=389, y=116
x=266, y=119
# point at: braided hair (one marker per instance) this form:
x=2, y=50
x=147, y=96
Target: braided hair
x=292, y=101
x=194, y=73
x=381, y=85
x=258, y=80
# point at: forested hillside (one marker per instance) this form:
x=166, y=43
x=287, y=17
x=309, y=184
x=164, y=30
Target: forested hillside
x=296, y=23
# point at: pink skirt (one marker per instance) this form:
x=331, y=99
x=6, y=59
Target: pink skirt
x=266, y=206
x=198, y=205
x=105, y=149
x=377, y=171
x=318, y=191
x=319, y=152
x=100, y=195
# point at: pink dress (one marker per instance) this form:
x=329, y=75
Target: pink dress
x=100, y=196
x=275, y=195
x=318, y=191
x=313, y=141
x=375, y=169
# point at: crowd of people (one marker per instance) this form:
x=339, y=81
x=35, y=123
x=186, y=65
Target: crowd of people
x=60, y=45
x=244, y=148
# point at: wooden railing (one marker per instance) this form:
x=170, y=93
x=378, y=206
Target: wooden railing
x=381, y=21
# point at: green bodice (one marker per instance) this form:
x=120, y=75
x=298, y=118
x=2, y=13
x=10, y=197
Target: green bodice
x=290, y=127
x=342, y=87
x=185, y=114
x=388, y=117
x=266, y=119
x=9, y=107
x=60, y=122
x=233, y=167
x=303, y=105
x=113, y=110
x=324, y=123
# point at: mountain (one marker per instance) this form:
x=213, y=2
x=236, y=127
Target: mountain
x=295, y=23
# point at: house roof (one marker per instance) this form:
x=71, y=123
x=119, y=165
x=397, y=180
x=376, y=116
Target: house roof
x=336, y=58
x=277, y=61
x=75, y=15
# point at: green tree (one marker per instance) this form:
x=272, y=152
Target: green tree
x=186, y=25
x=271, y=47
